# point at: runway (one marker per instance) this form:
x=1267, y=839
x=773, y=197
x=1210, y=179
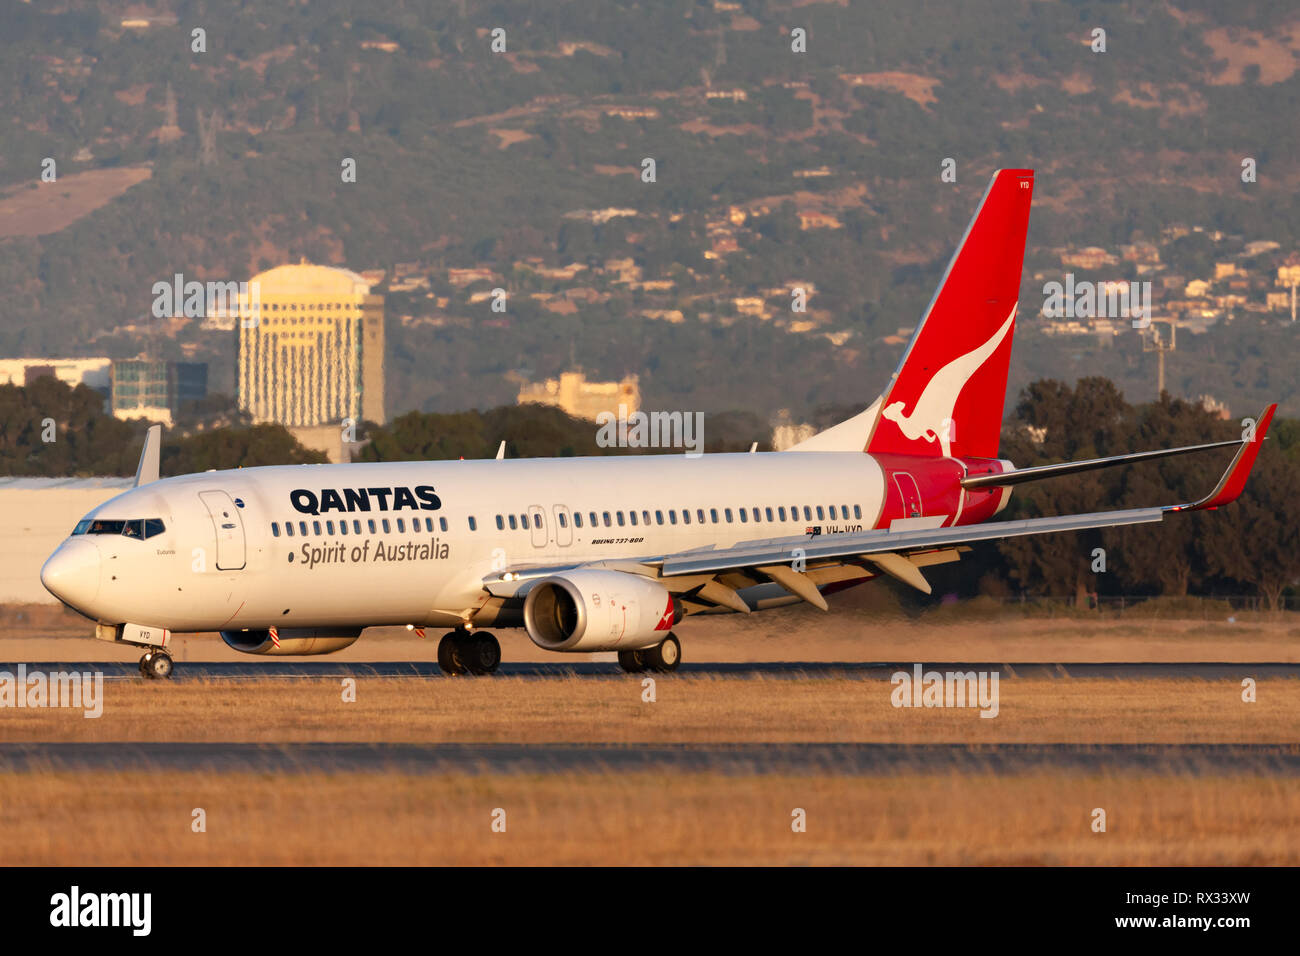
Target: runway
x=838, y=759
x=783, y=670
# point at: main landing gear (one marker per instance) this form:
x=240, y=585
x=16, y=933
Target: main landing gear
x=156, y=664
x=663, y=657
x=460, y=652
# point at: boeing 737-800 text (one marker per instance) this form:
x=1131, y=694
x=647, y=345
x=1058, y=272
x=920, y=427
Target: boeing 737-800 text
x=597, y=554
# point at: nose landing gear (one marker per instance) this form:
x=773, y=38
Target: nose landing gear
x=156, y=664
x=460, y=652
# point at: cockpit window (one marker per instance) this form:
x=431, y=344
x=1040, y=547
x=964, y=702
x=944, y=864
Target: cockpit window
x=134, y=528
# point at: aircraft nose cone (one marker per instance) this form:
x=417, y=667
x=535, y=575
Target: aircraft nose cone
x=71, y=573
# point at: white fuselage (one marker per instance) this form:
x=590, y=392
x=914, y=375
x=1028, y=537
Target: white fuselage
x=233, y=553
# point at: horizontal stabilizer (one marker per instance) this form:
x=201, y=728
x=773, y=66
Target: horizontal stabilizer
x=1040, y=472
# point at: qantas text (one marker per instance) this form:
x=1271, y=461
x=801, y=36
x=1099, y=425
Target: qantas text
x=360, y=499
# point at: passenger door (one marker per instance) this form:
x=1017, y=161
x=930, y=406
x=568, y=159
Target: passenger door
x=229, y=528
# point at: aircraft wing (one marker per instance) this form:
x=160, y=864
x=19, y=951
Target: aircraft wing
x=804, y=564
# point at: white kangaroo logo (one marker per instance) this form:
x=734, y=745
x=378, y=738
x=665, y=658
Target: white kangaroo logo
x=931, y=418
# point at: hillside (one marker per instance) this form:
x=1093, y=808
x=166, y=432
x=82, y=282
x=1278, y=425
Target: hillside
x=774, y=170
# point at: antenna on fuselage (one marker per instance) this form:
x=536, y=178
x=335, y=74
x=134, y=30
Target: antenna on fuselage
x=147, y=470
x=501, y=450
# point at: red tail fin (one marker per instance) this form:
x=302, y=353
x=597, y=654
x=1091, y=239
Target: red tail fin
x=946, y=397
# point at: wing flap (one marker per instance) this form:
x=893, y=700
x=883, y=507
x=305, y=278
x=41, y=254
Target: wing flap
x=784, y=550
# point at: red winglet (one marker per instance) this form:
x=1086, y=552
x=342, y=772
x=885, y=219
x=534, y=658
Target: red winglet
x=1234, y=479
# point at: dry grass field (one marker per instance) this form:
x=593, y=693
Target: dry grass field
x=645, y=818
x=921, y=815
x=686, y=710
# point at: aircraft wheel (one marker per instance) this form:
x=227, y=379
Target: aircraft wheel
x=665, y=656
x=160, y=665
x=449, y=655
x=632, y=661
x=481, y=653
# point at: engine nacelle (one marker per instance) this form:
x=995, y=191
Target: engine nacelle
x=598, y=611
x=293, y=640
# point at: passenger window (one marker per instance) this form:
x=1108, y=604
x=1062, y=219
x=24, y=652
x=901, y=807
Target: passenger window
x=659, y=517
x=401, y=525
x=844, y=512
x=832, y=512
x=672, y=516
x=473, y=525
x=632, y=516
x=513, y=524
x=356, y=525
x=619, y=515
x=500, y=524
x=594, y=522
x=820, y=513
x=645, y=517
x=288, y=529
x=302, y=526
x=275, y=529
x=563, y=522
x=523, y=521
x=780, y=512
x=807, y=513
x=577, y=519
x=371, y=523
x=758, y=516
x=713, y=513
x=744, y=516
x=343, y=527
x=387, y=530
x=605, y=514
x=329, y=527
x=857, y=511
x=686, y=516
x=442, y=524
x=727, y=513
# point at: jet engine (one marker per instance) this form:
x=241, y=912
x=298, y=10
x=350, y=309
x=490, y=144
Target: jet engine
x=292, y=640
x=598, y=610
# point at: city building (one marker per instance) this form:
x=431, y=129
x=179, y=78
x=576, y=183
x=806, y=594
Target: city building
x=94, y=372
x=156, y=390
x=311, y=348
x=582, y=399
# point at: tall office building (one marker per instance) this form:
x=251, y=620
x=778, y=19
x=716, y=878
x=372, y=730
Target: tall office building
x=154, y=389
x=311, y=347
